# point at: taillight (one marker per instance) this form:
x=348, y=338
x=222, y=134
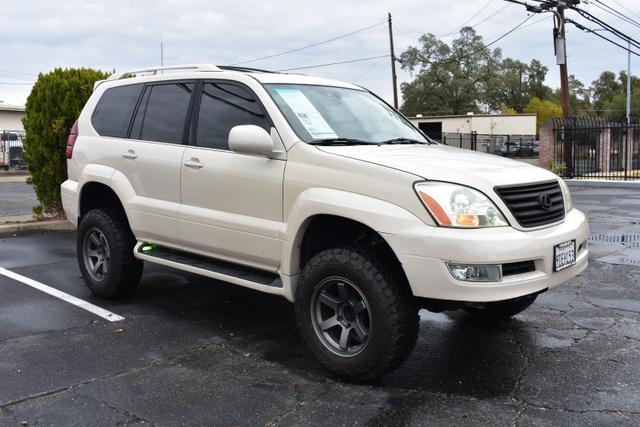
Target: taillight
x=73, y=135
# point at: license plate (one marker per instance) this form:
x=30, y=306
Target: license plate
x=564, y=255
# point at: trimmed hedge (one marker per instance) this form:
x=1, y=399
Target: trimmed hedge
x=54, y=104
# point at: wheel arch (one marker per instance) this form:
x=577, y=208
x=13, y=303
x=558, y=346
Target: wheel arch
x=329, y=217
x=94, y=194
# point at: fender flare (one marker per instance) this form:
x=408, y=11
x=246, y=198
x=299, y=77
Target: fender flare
x=379, y=215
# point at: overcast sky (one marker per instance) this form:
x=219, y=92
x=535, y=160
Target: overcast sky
x=39, y=35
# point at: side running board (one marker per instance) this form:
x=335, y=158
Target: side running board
x=210, y=267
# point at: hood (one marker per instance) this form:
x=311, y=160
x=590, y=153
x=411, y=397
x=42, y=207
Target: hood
x=444, y=163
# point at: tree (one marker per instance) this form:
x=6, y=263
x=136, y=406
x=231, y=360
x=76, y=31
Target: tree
x=466, y=76
x=52, y=107
x=545, y=110
x=604, y=89
x=449, y=78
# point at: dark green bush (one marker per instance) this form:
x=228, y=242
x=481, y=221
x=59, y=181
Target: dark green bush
x=52, y=107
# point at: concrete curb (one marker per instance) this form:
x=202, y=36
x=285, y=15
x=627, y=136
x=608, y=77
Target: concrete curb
x=35, y=227
x=602, y=183
x=15, y=173
x=13, y=179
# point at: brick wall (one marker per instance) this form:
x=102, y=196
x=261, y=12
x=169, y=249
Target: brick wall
x=547, y=144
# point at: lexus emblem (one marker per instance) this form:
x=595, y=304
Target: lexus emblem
x=545, y=201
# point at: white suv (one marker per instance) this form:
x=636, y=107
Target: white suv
x=315, y=190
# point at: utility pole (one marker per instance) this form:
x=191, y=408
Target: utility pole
x=161, y=50
x=394, y=77
x=561, y=60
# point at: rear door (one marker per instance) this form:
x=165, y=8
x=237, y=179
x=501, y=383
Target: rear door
x=231, y=203
x=151, y=160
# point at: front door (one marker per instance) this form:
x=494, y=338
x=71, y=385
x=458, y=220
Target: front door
x=231, y=203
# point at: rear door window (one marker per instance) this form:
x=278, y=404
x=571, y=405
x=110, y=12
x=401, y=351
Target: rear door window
x=162, y=113
x=222, y=107
x=112, y=115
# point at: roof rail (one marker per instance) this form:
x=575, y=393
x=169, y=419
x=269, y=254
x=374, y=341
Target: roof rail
x=161, y=70
x=247, y=69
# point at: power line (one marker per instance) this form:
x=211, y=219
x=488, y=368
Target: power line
x=367, y=70
x=477, y=24
x=589, y=30
x=17, y=84
x=17, y=73
x=628, y=10
x=468, y=20
x=606, y=26
x=310, y=45
x=517, y=27
x=349, y=61
x=615, y=13
x=462, y=26
x=496, y=40
x=492, y=42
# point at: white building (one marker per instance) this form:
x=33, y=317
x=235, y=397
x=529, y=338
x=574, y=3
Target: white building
x=11, y=135
x=498, y=125
x=11, y=117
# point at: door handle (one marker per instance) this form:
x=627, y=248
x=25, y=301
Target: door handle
x=193, y=163
x=130, y=154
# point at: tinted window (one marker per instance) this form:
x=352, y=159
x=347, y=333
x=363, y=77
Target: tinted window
x=162, y=113
x=113, y=112
x=224, y=106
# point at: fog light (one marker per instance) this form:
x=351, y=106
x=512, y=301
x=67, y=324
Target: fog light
x=476, y=273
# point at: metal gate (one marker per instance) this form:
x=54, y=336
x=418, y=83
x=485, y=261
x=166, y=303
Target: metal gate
x=595, y=148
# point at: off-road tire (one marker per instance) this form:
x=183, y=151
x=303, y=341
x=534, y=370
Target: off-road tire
x=124, y=270
x=501, y=310
x=394, y=313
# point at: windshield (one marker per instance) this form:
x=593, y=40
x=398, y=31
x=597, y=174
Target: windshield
x=334, y=114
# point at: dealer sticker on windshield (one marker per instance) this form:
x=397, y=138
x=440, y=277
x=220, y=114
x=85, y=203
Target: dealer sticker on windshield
x=564, y=255
x=310, y=118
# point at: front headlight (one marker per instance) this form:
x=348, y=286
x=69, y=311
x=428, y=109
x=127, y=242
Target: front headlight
x=568, y=201
x=455, y=205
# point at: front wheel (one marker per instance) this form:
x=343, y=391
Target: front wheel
x=501, y=309
x=359, y=319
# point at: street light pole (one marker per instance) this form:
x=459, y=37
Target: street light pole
x=629, y=85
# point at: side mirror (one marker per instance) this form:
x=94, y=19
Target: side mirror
x=250, y=139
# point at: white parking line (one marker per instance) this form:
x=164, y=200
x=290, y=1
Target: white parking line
x=105, y=314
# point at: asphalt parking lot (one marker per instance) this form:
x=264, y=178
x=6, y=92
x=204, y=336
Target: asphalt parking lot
x=17, y=198
x=195, y=351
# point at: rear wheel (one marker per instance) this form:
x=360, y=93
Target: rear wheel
x=501, y=309
x=105, y=253
x=358, y=318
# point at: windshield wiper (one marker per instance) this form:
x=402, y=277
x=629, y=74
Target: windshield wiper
x=339, y=141
x=403, y=141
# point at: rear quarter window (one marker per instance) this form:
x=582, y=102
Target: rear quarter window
x=112, y=115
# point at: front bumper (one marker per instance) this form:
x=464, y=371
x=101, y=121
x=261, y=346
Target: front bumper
x=424, y=255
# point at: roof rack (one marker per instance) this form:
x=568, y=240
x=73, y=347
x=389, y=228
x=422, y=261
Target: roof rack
x=248, y=69
x=161, y=70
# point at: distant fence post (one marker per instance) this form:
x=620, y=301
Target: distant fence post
x=628, y=150
x=604, y=159
x=547, y=145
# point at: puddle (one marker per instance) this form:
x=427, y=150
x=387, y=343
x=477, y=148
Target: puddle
x=629, y=240
x=620, y=259
x=618, y=248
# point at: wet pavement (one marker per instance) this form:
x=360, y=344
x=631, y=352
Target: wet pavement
x=16, y=198
x=196, y=351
